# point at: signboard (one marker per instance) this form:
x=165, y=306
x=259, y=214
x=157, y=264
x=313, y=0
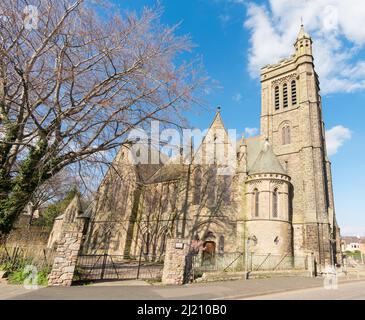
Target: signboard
x=179, y=245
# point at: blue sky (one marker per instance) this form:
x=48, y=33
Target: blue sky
x=236, y=37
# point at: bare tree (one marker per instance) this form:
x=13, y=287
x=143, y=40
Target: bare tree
x=75, y=81
x=54, y=189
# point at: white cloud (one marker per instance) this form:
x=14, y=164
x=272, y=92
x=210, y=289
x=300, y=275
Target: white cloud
x=336, y=137
x=335, y=26
x=237, y=97
x=249, y=132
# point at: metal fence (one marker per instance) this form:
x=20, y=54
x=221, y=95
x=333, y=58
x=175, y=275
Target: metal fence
x=13, y=258
x=271, y=262
x=230, y=261
x=235, y=261
x=115, y=267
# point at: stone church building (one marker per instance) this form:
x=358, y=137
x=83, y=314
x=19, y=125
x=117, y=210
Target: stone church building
x=278, y=200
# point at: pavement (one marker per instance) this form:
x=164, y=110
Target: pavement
x=345, y=291
x=8, y=291
x=139, y=290
x=237, y=289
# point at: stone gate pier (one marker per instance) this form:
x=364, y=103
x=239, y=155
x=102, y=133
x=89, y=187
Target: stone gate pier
x=175, y=261
x=68, y=245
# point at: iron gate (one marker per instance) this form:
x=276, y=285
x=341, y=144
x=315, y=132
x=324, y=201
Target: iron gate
x=114, y=267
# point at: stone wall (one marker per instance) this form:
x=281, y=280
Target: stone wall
x=25, y=235
x=175, y=261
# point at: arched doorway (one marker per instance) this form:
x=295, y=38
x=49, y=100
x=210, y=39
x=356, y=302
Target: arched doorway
x=208, y=252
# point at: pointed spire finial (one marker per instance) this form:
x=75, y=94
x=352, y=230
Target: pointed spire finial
x=218, y=109
x=302, y=33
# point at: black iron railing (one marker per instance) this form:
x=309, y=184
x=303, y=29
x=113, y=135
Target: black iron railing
x=116, y=267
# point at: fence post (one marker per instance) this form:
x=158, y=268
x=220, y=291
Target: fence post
x=313, y=265
x=251, y=261
x=139, y=261
x=103, y=266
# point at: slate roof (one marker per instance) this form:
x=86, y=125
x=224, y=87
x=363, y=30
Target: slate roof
x=254, y=146
x=168, y=172
x=266, y=161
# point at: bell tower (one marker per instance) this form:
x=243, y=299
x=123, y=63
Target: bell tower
x=291, y=119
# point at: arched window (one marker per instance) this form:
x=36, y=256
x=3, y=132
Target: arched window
x=286, y=135
x=211, y=188
x=293, y=93
x=285, y=95
x=275, y=203
x=227, y=189
x=164, y=198
x=197, y=186
x=277, y=98
x=288, y=138
x=163, y=241
x=221, y=244
x=256, y=196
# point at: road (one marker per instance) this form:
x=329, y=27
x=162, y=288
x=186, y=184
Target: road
x=274, y=288
x=345, y=291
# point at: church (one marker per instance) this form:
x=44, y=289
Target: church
x=279, y=199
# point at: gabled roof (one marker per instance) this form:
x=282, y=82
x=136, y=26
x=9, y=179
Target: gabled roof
x=75, y=209
x=266, y=161
x=209, y=139
x=353, y=239
x=176, y=168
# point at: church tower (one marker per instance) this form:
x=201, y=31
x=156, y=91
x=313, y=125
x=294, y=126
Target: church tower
x=291, y=119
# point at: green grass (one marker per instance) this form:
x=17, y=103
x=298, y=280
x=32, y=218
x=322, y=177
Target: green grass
x=355, y=254
x=17, y=273
x=20, y=277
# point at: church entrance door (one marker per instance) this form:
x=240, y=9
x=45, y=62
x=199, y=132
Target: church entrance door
x=208, y=252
